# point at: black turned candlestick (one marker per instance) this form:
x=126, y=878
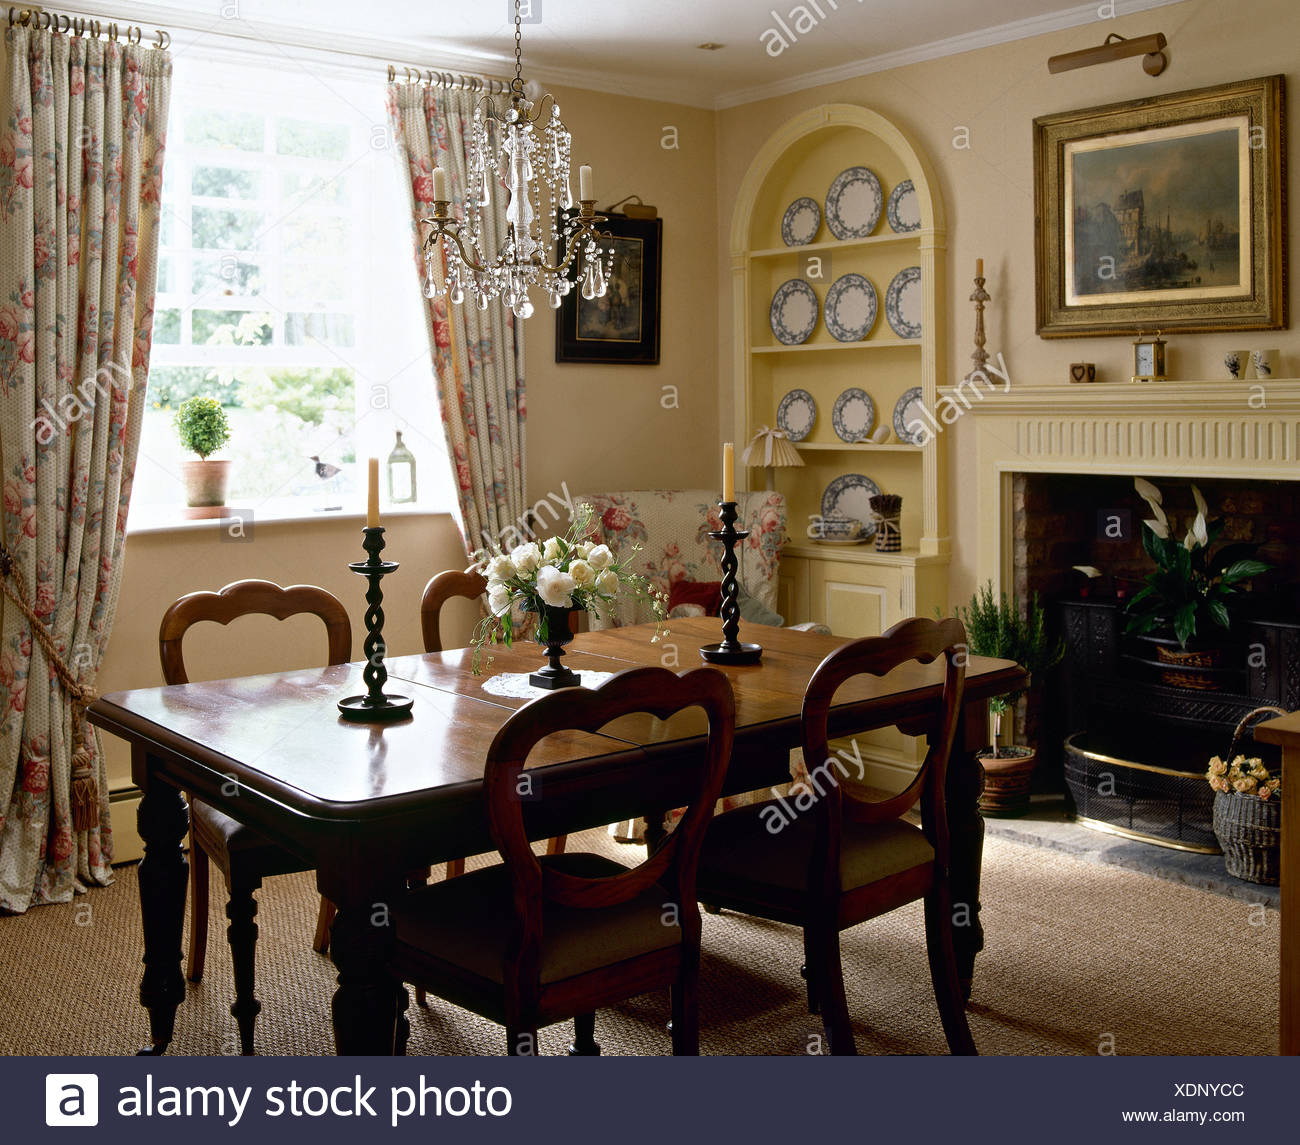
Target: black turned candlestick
x=731, y=650
x=376, y=704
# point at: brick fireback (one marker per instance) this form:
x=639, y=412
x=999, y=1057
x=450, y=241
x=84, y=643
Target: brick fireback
x=1062, y=520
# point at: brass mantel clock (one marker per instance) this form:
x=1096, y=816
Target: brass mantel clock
x=1148, y=358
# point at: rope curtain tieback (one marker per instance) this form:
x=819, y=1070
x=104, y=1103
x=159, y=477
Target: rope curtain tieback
x=85, y=791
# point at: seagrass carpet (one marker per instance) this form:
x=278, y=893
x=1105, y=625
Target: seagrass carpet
x=1080, y=959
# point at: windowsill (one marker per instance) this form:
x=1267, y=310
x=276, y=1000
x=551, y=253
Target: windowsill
x=166, y=518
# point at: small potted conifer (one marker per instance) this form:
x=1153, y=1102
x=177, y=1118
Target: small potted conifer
x=202, y=427
x=998, y=626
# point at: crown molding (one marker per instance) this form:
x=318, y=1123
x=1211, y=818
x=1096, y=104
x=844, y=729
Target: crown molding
x=936, y=49
x=1102, y=400
x=359, y=53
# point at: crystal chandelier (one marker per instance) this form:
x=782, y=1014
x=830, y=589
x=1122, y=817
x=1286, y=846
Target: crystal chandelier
x=511, y=145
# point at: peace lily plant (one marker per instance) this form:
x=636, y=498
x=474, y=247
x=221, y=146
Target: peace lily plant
x=1191, y=587
x=566, y=573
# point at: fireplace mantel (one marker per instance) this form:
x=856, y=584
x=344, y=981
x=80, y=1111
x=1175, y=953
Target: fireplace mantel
x=1246, y=429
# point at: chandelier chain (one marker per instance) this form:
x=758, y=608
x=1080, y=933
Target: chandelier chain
x=518, y=84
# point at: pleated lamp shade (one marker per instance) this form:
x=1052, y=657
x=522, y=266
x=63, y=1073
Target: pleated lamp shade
x=771, y=449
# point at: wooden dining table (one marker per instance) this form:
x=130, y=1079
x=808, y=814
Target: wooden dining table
x=364, y=804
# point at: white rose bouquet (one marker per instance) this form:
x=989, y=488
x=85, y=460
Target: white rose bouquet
x=566, y=572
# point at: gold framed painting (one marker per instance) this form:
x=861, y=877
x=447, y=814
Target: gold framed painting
x=1163, y=213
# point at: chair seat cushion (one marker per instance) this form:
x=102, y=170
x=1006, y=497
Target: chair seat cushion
x=235, y=848
x=467, y=922
x=760, y=852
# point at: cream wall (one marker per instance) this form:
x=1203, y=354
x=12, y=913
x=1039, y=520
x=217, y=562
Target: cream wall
x=988, y=189
x=590, y=427
x=602, y=427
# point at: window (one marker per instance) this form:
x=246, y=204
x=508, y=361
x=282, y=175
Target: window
x=287, y=290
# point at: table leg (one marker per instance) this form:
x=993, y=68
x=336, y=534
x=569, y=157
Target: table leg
x=162, y=820
x=366, y=1004
x=966, y=834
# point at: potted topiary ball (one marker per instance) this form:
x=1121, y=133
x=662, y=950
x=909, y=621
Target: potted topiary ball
x=202, y=428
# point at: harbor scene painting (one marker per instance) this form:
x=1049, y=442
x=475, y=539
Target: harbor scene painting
x=1159, y=213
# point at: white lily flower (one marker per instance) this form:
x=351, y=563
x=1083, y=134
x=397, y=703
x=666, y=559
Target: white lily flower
x=1148, y=492
x=1160, y=528
x=1090, y=571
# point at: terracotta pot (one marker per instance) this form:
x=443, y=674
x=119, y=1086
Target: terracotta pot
x=205, y=486
x=1006, y=780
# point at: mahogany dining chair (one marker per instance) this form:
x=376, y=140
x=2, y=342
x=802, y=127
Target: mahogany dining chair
x=450, y=585
x=243, y=856
x=847, y=859
x=535, y=940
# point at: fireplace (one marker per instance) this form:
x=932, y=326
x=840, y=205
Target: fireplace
x=1055, y=468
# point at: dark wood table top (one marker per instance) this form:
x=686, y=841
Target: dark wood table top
x=280, y=735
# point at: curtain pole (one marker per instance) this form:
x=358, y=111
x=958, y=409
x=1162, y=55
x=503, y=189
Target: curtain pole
x=43, y=20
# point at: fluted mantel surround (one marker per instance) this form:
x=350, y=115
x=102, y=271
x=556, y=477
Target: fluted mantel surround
x=1247, y=429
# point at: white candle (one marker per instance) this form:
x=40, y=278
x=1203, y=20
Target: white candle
x=440, y=185
x=728, y=471
x=372, y=505
x=584, y=183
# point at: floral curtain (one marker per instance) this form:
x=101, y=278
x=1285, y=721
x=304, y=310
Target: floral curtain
x=478, y=356
x=81, y=151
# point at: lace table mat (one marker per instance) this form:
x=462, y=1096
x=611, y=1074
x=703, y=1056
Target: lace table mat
x=516, y=686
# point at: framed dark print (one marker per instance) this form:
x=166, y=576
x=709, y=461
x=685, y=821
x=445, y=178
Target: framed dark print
x=623, y=326
x=1167, y=212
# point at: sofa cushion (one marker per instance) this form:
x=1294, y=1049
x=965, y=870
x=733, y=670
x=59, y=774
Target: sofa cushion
x=707, y=594
x=671, y=528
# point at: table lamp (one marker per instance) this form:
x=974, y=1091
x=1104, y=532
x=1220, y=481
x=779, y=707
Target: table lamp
x=771, y=449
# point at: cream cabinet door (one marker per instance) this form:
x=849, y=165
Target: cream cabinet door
x=854, y=600
x=792, y=590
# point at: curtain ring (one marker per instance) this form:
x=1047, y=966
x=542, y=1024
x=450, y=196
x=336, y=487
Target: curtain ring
x=112, y=31
x=96, y=29
x=79, y=25
x=164, y=40
x=134, y=29
x=49, y=21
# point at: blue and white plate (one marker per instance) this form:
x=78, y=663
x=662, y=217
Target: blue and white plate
x=853, y=203
x=794, y=312
x=853, y=415
x=850, y=496
x=903, y=209
x=851, y=307
x=800, y=222
x=903, y=304
x=796, y=414
x=910, y=411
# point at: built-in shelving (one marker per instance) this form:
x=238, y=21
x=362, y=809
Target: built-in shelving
x=865, y=344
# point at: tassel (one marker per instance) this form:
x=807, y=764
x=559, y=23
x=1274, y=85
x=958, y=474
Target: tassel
x=84, y=795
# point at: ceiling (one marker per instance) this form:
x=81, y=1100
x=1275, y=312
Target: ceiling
x=646, y=47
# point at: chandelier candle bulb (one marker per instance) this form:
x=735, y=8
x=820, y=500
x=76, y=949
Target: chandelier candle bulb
x=372, y=502
x=728, y=471
x=979, y=262
x=440, y=185
x=585, y=184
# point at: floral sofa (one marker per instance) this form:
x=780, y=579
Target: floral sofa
x=672, y=527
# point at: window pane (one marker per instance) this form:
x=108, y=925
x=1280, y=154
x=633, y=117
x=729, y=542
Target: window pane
x=307, y=329
x=327, y=191
x=166, y=274
x=167, y=327
x=227, y=182
x=232, y=328
x=315, y=396
x=227, y=230
x=312, y=236
x=315, y=284
x=226, y=274
x=311, y=140
x=171, y=385
x=220, y=127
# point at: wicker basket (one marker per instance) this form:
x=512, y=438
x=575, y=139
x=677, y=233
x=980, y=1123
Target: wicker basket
x=1249, y=829
x=1182, y=664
